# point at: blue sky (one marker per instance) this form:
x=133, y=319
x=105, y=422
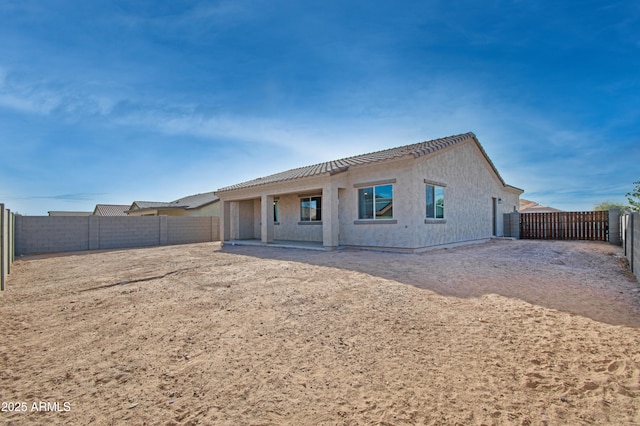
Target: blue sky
x=116, y=101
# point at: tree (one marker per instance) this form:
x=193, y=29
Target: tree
x=634, y=203
x=608, y=205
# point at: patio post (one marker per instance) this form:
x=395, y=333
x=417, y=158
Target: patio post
x=266, y=218
x=225, y=217
x=330, y=218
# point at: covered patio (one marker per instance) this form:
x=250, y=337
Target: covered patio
x=305, y=245
x=299, y=214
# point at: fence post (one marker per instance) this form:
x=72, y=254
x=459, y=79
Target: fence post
x=11, y=243
x=614, y=226
x=3, y=254
x=512, y=225
x=624, y=224
x=632, y=241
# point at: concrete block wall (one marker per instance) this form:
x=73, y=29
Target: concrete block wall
x=636, y=245
x=512, y=225
x=49, y=234
x=632, y=249
x=630, y=233
x=186, y=229
x=129, y=232
x=614, y=226
x=46, y=234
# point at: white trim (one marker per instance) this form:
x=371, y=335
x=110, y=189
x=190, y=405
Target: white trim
x=376, y=183
x=435, y=183
x=435, y=220
x=375, y=221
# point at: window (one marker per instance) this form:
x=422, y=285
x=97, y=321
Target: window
x=375, y=202
x=310, y=209
x=276, y=215
x=435, y=202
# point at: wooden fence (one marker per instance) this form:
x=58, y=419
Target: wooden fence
x=591, y=225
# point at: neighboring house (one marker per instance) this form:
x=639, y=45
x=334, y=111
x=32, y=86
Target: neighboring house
x=68, y=213
x=434, y=193
x=110, y=210
x=527, y=206
x=206, y=204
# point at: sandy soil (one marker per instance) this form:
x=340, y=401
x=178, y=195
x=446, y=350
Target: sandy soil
x=508, y=332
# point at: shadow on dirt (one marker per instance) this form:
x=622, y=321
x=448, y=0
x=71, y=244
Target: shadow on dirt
x=582, y=278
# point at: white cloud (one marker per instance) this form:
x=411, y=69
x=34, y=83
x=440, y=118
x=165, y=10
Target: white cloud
x=44, y=97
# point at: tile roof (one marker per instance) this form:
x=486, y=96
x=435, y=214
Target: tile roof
x=338, y=166
x=153, y=204
x=110, y=210
x=189, y=202
x=197, y=200
x=68, y=213
x=528, y=206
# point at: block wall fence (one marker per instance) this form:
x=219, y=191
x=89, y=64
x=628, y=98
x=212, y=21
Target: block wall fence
x=630, y=239
x=54, y=234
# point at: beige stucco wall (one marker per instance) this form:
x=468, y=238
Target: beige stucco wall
x=212, y=209
x=470, y=187
x=379, y=233
x=143, y=213
x=289, y=226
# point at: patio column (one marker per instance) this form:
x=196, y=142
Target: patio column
x=266, y=218
x=234, y=220
x=225, y=217
x=330, y=219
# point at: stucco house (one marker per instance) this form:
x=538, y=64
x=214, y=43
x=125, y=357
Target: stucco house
x=411, y=198
x=193, y=205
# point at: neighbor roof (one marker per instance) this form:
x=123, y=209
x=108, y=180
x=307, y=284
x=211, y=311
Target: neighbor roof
x=110, y=210
x=189, y=202
x=68, y=213
x=342, y=165
x=528, y=206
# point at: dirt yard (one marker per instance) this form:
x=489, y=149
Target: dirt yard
x=504, y=333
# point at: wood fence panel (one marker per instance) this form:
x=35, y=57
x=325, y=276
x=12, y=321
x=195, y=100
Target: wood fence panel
x=592, y=226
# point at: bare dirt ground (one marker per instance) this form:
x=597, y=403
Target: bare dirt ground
x=508, y=332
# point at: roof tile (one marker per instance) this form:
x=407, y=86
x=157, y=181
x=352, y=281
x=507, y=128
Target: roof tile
x=341, y=165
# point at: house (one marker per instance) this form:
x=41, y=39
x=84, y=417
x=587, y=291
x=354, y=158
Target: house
x=411, y=198
x=527, y=206
x=110, y=210
x=194, y=205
